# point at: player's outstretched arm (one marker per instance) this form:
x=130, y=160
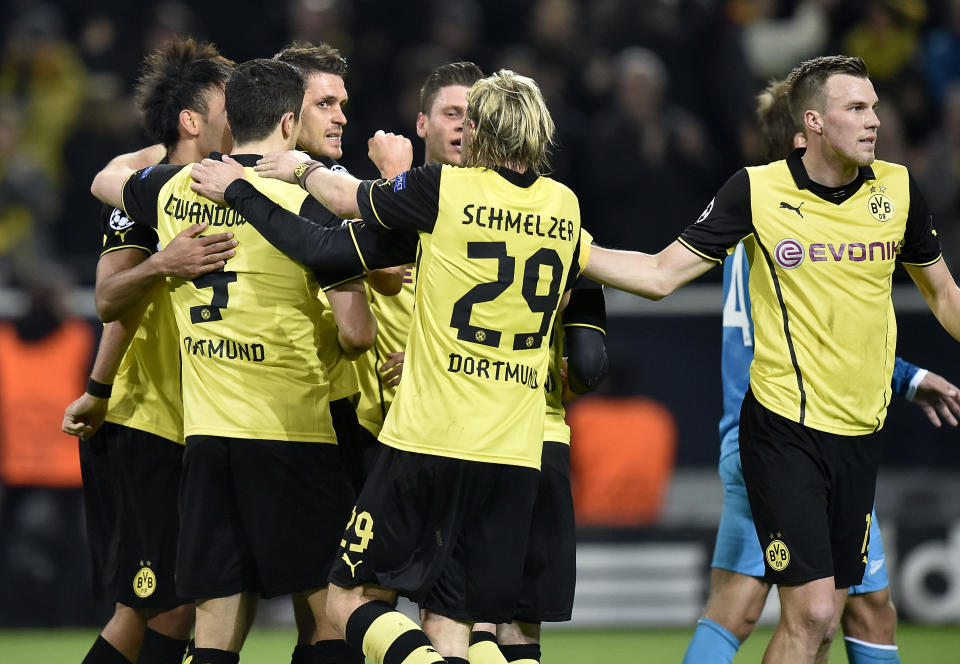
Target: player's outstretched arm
x=319, y=247
x=939, y=289
x=653, y=276
x=939, y=399
x=336, y=191
x=108, y=183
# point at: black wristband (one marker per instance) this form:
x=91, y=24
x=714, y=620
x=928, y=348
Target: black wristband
x=100, y=390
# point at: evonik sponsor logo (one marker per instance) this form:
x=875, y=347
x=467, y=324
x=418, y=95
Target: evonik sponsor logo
x=790, y=253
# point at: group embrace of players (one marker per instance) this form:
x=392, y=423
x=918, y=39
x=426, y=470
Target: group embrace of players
x=260, y=439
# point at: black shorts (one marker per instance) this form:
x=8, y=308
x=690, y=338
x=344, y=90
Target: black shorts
x=811, y=494
x=449, y=534
x=131, y=480
x=358, y=446
x=259, y=515
x=550, y=567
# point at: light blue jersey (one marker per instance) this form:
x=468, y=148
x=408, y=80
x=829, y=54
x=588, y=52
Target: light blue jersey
x=737, y=548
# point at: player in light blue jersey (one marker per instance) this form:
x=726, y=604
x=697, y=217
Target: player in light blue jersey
x=737, y=589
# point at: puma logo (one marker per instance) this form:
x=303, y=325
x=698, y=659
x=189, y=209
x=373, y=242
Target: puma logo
x=353, y=566
x=787, y=206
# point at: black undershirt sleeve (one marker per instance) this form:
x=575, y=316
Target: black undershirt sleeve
x=318, y=247
x=379, y=248
x=726, y=221
x=921, y=246
x=584, y=324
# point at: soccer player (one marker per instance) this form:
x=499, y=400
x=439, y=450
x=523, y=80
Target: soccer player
x=550, y=567
x=131, y=465
x=445, y=514
x=822, y=231
x=323, y=120
x=737, y=591
x=443, y=104
x=268, y=488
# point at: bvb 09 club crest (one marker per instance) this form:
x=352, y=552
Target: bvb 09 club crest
x=880, y=206
x=144, y=582
x=777, y=555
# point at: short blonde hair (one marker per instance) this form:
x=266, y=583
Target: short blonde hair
x=512, y=124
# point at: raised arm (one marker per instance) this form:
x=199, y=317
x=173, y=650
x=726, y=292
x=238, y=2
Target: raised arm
x=653, y=276
x=941, y=293
x=108, y=183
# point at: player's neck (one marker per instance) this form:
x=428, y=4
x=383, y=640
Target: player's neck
x=829, y=170
x=273, y=143
x=183, y=153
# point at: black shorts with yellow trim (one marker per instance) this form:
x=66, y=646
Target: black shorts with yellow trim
x=811, y=494
x=259, y=516
x=131, y=480
x=550, y=566
x=449, y=534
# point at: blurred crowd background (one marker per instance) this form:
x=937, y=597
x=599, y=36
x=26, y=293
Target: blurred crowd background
x=654, y=106
x=653, y=99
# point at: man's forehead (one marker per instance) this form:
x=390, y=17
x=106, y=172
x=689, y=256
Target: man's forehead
x=326, y=85
x=842, y=87
x=451, y=95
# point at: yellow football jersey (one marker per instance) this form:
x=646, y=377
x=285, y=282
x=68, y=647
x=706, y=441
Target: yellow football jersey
x=146, y=389
x=248, y=334
x=497, y=252
x=821, y=264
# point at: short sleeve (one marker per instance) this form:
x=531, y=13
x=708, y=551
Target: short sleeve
x=142, y=189
x=726, y=221
x=410, y=201
x=119, y=232
x=921, y=246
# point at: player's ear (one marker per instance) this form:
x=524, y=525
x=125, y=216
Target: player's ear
x=813, y=121
x=421, y=125
x=189, y=123
x=288, y=125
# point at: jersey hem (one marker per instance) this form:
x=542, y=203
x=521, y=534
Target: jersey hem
x=824, y=427
x=457, y=454
x=284, y=436
x=132, y=423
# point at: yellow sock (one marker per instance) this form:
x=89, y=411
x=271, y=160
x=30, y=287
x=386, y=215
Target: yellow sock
x=484, y=649
x=383, y=631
